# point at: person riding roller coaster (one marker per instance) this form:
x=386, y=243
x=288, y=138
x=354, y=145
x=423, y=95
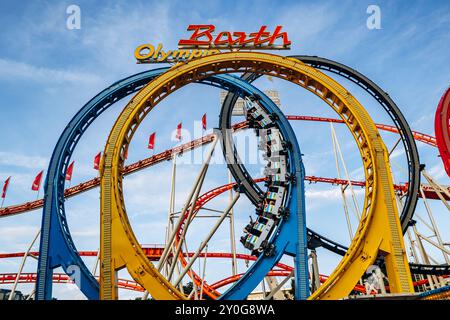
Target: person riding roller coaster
x=257, y=233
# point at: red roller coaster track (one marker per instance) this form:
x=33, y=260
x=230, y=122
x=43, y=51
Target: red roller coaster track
x=168, y=154
x=154, y=253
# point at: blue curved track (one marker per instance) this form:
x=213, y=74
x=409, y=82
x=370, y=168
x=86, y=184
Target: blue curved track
x=291, y=236
x=56, y=245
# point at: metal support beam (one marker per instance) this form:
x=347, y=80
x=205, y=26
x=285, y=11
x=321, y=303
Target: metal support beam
x=208, y=237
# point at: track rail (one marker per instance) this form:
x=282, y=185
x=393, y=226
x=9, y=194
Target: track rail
x=56, y=242
x=55, y=193
x=169, y=153
x=9, y=278
x=396, y=116
x=379, y=229
x=150, y=279
x=154, y=253
x=374, y=158
x=389, y=106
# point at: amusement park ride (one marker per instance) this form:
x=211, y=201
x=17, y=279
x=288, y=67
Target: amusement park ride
x=379, y=249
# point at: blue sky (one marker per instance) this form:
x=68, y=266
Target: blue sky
x=47, y=72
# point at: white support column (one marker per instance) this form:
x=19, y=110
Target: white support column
x=208, y=237
x=437, y=188
x=342, y=188
x=22, y=264
x=187, y=221
x=185, y=207
x=232, y=232
x=357, y=211
x=282, y=283
x=434, y=226
x=424, y=256
x=315, y=276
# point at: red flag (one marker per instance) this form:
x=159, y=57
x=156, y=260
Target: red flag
x=97, y=161
x=69, y=171
x=126, y=154
x=151, y=141
x=5, y=187
x=178, y=136
x=37, y=182
x=204, y=121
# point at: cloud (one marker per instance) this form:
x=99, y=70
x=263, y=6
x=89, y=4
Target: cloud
x=24, y=71
x=437, y=171
x=7, y=234
x=331, y=194
x=22, y=160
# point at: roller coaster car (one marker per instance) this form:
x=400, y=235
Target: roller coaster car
x=268, y=248
x=252, y=124
x=257, y=114
x=270, y=171
x=274, y=117
x=255, y=233
x=291, y=178
x=284, y=213
x=275, y=181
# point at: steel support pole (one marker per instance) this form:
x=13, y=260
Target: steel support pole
x=282, y=283
x=187, y=221
x=208, y=237
x=424, y=255
x=22, y=264
x=344, y=198
x=186, y=205
x=232, y=232
x=434, y=225
x=315, y=276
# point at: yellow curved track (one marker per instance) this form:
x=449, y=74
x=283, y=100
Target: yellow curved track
x=379, y=232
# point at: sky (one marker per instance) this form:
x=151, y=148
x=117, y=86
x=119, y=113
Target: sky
x=48, y=72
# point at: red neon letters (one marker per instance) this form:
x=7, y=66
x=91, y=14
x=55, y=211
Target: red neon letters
x=202, y=37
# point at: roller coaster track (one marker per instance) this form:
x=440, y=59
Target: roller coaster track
x=430, y=193
x=116, y=257
x=442, y=129
x=58, y=248
x=55, y=182
x=314, y=240
x=379, y=229
x=10, y=278
x=401, y=126
x=166, y=155
x=154, y=253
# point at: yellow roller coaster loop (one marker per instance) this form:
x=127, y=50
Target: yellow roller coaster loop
x=378, y=233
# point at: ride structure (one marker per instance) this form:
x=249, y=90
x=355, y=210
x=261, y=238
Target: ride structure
x=280, y=226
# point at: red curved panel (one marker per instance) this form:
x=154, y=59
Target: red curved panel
x=442, y=129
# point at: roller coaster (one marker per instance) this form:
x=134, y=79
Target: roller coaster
x=278, y=230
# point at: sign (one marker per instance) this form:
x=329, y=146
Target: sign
x=147, y=53
x=203, y=42
x=202, y=37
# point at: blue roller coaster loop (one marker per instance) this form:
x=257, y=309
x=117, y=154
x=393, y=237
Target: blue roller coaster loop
x=57, y=248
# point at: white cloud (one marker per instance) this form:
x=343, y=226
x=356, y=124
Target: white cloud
x=10, y=69
x=22, y=160
x=8, y=233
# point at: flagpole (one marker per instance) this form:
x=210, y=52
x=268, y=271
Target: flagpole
x=3, y=201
